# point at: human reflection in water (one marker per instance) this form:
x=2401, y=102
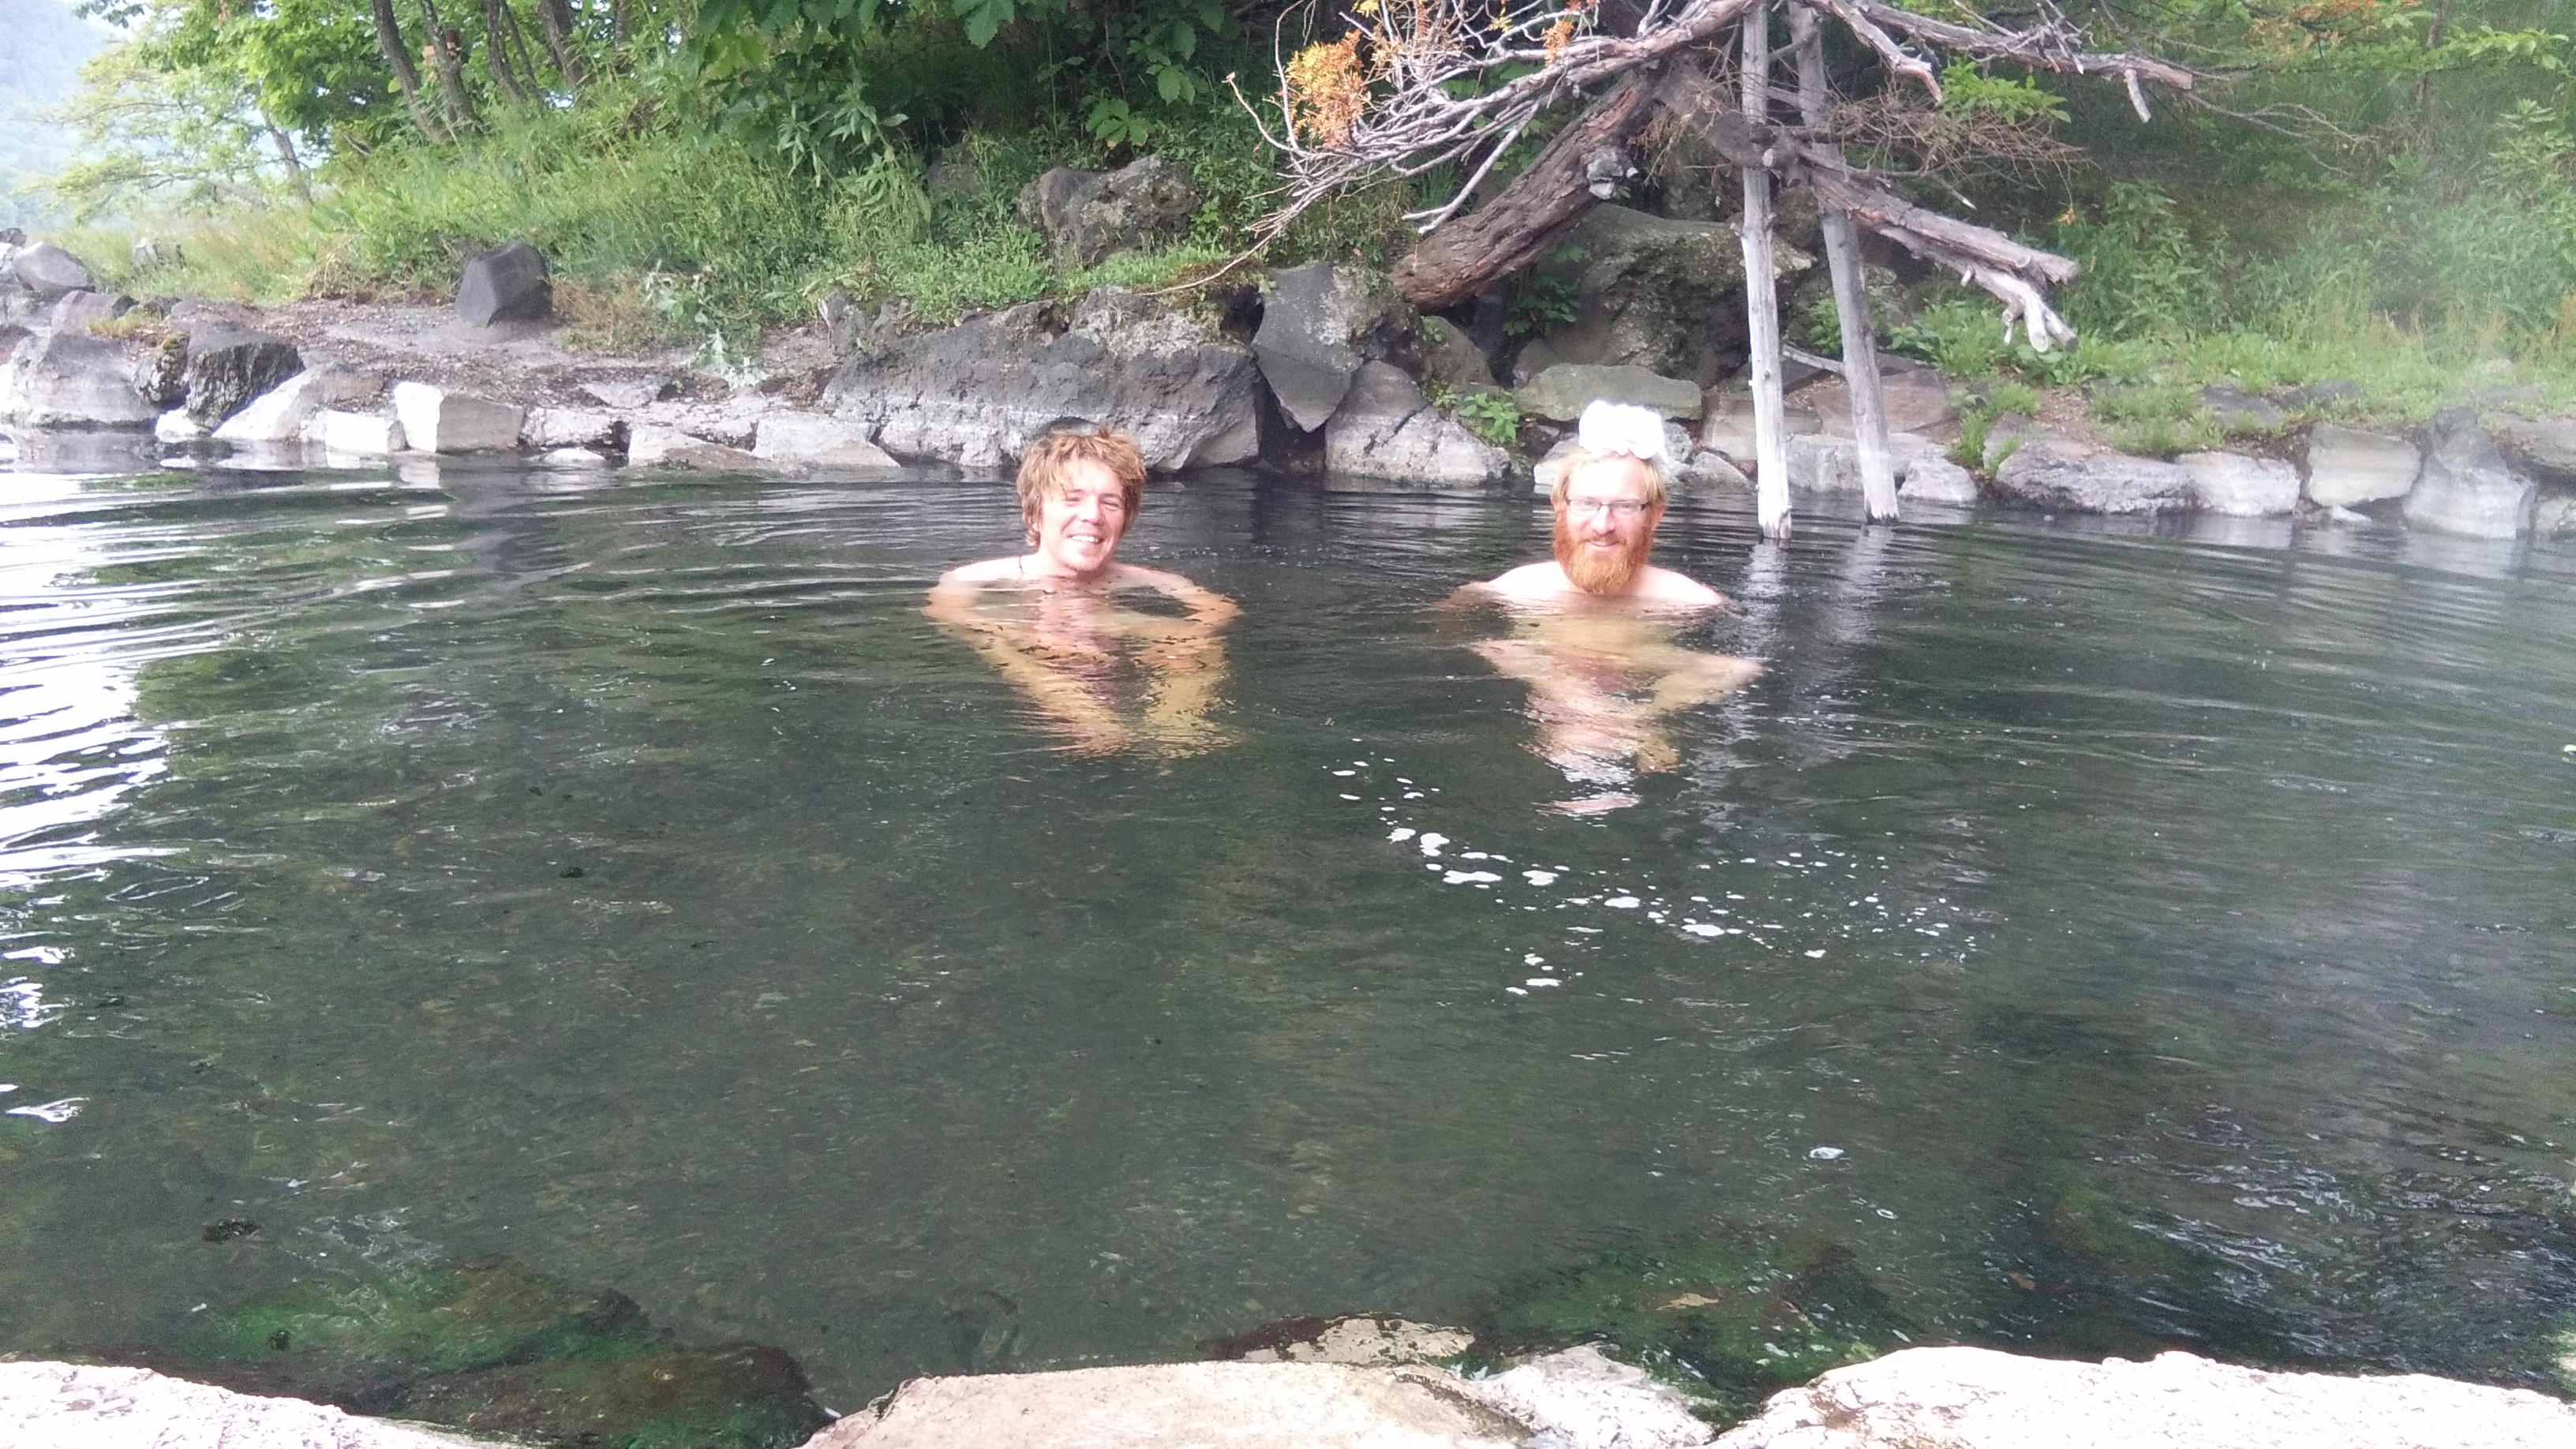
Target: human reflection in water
x=1063, y=623
x=1593, y=631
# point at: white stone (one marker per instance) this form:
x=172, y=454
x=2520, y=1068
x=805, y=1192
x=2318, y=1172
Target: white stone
x=275, y=416
x=574, y=458
x=80, y=1406
x=2240, y=486
x=175, y=426
x=435, y=420
x=1975, y=1398
x=1937, y=480
x=570, y=428
x=2347, y=466
x=815, y=438
x=2554, y=516
x=364, y=434
x=1169, y=1406
x=1580, y=1400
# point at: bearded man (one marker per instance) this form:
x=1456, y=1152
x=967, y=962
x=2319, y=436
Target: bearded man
x=1593, y=630
x=1609, y=499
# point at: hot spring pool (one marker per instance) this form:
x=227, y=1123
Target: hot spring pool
x=2109, y=939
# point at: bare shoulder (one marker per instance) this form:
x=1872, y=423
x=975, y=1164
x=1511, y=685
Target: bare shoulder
x=990, y=571
x=1663, y=586
x=1528, y=582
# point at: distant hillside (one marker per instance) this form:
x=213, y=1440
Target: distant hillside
x=39, y=66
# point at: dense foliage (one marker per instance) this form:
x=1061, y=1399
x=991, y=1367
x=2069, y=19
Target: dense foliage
x=2393, y=173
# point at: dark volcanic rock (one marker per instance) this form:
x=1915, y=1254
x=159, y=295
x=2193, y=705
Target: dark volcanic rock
x=505, y=284
x=228, y=367
x=161, y=375
x=1320, y=323
x=1088, y=217
x=977, y=393
x=2050, y=473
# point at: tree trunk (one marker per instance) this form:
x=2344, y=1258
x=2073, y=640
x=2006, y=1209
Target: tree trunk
x=619, y=28
x=1469, y=254
x=496, y=55
x=1762, y=296
x=397, y=53
x=1851, y=295
x=445, y=53
x=285, y=147
x=554, y=19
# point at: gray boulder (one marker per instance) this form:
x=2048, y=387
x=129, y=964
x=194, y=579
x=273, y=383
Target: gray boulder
x=48, y=271
x=1651, y=292
x=1563, y=391
x=227, y=367
x=978, y=393
x=2055, y=474
x=1936, y=480
x=1386, y=429
x=2242, y=487
x=2467, y=487
x=71, y=380
x=74, y=311
x=2347, y=466
x=1320, y=323
x=2545, y=447
x=505, y=284
x=1451, y=357
x=1088, y=217
x=149, y=252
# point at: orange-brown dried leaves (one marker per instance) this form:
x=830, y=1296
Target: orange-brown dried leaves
x=1327, y=90
x=1576, y=19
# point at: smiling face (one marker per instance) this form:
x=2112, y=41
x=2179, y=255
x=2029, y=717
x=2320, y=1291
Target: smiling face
x=1079, y=521
x=1605, y=523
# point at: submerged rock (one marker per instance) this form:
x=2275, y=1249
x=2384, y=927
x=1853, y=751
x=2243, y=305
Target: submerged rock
x=1975, y=1398
x=1366, y=1339
x=1740, y=1318
x=490, y=1347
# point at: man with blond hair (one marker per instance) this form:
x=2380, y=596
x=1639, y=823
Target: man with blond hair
x=1108, y=676
x=1609, y=498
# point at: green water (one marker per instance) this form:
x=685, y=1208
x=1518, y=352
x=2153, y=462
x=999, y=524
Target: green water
x=2120, y=940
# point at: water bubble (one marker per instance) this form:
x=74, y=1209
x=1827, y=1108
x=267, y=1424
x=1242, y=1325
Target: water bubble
x=1823, y=1154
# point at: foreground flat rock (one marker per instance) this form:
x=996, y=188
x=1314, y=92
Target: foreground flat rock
x=79, y=1406
x=1975, y=1398
x=1167, y=1406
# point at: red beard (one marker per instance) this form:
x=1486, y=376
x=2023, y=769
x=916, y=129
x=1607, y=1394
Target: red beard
x=1592, y=571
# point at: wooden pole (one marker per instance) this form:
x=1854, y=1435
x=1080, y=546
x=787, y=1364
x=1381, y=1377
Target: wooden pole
x=1762, y=295
x=1851, y=293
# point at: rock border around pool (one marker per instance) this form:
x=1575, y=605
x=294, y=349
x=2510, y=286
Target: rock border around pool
x=1922, y=1398
x=1318, y=368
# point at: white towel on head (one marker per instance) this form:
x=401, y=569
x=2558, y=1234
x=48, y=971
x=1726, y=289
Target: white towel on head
x=1608, y=427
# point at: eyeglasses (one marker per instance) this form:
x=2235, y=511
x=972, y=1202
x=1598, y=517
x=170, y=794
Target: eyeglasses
x=1622, y=509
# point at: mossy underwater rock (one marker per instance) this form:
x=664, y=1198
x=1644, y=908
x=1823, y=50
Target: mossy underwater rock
x=490, y=1347
x=1729, y=1321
